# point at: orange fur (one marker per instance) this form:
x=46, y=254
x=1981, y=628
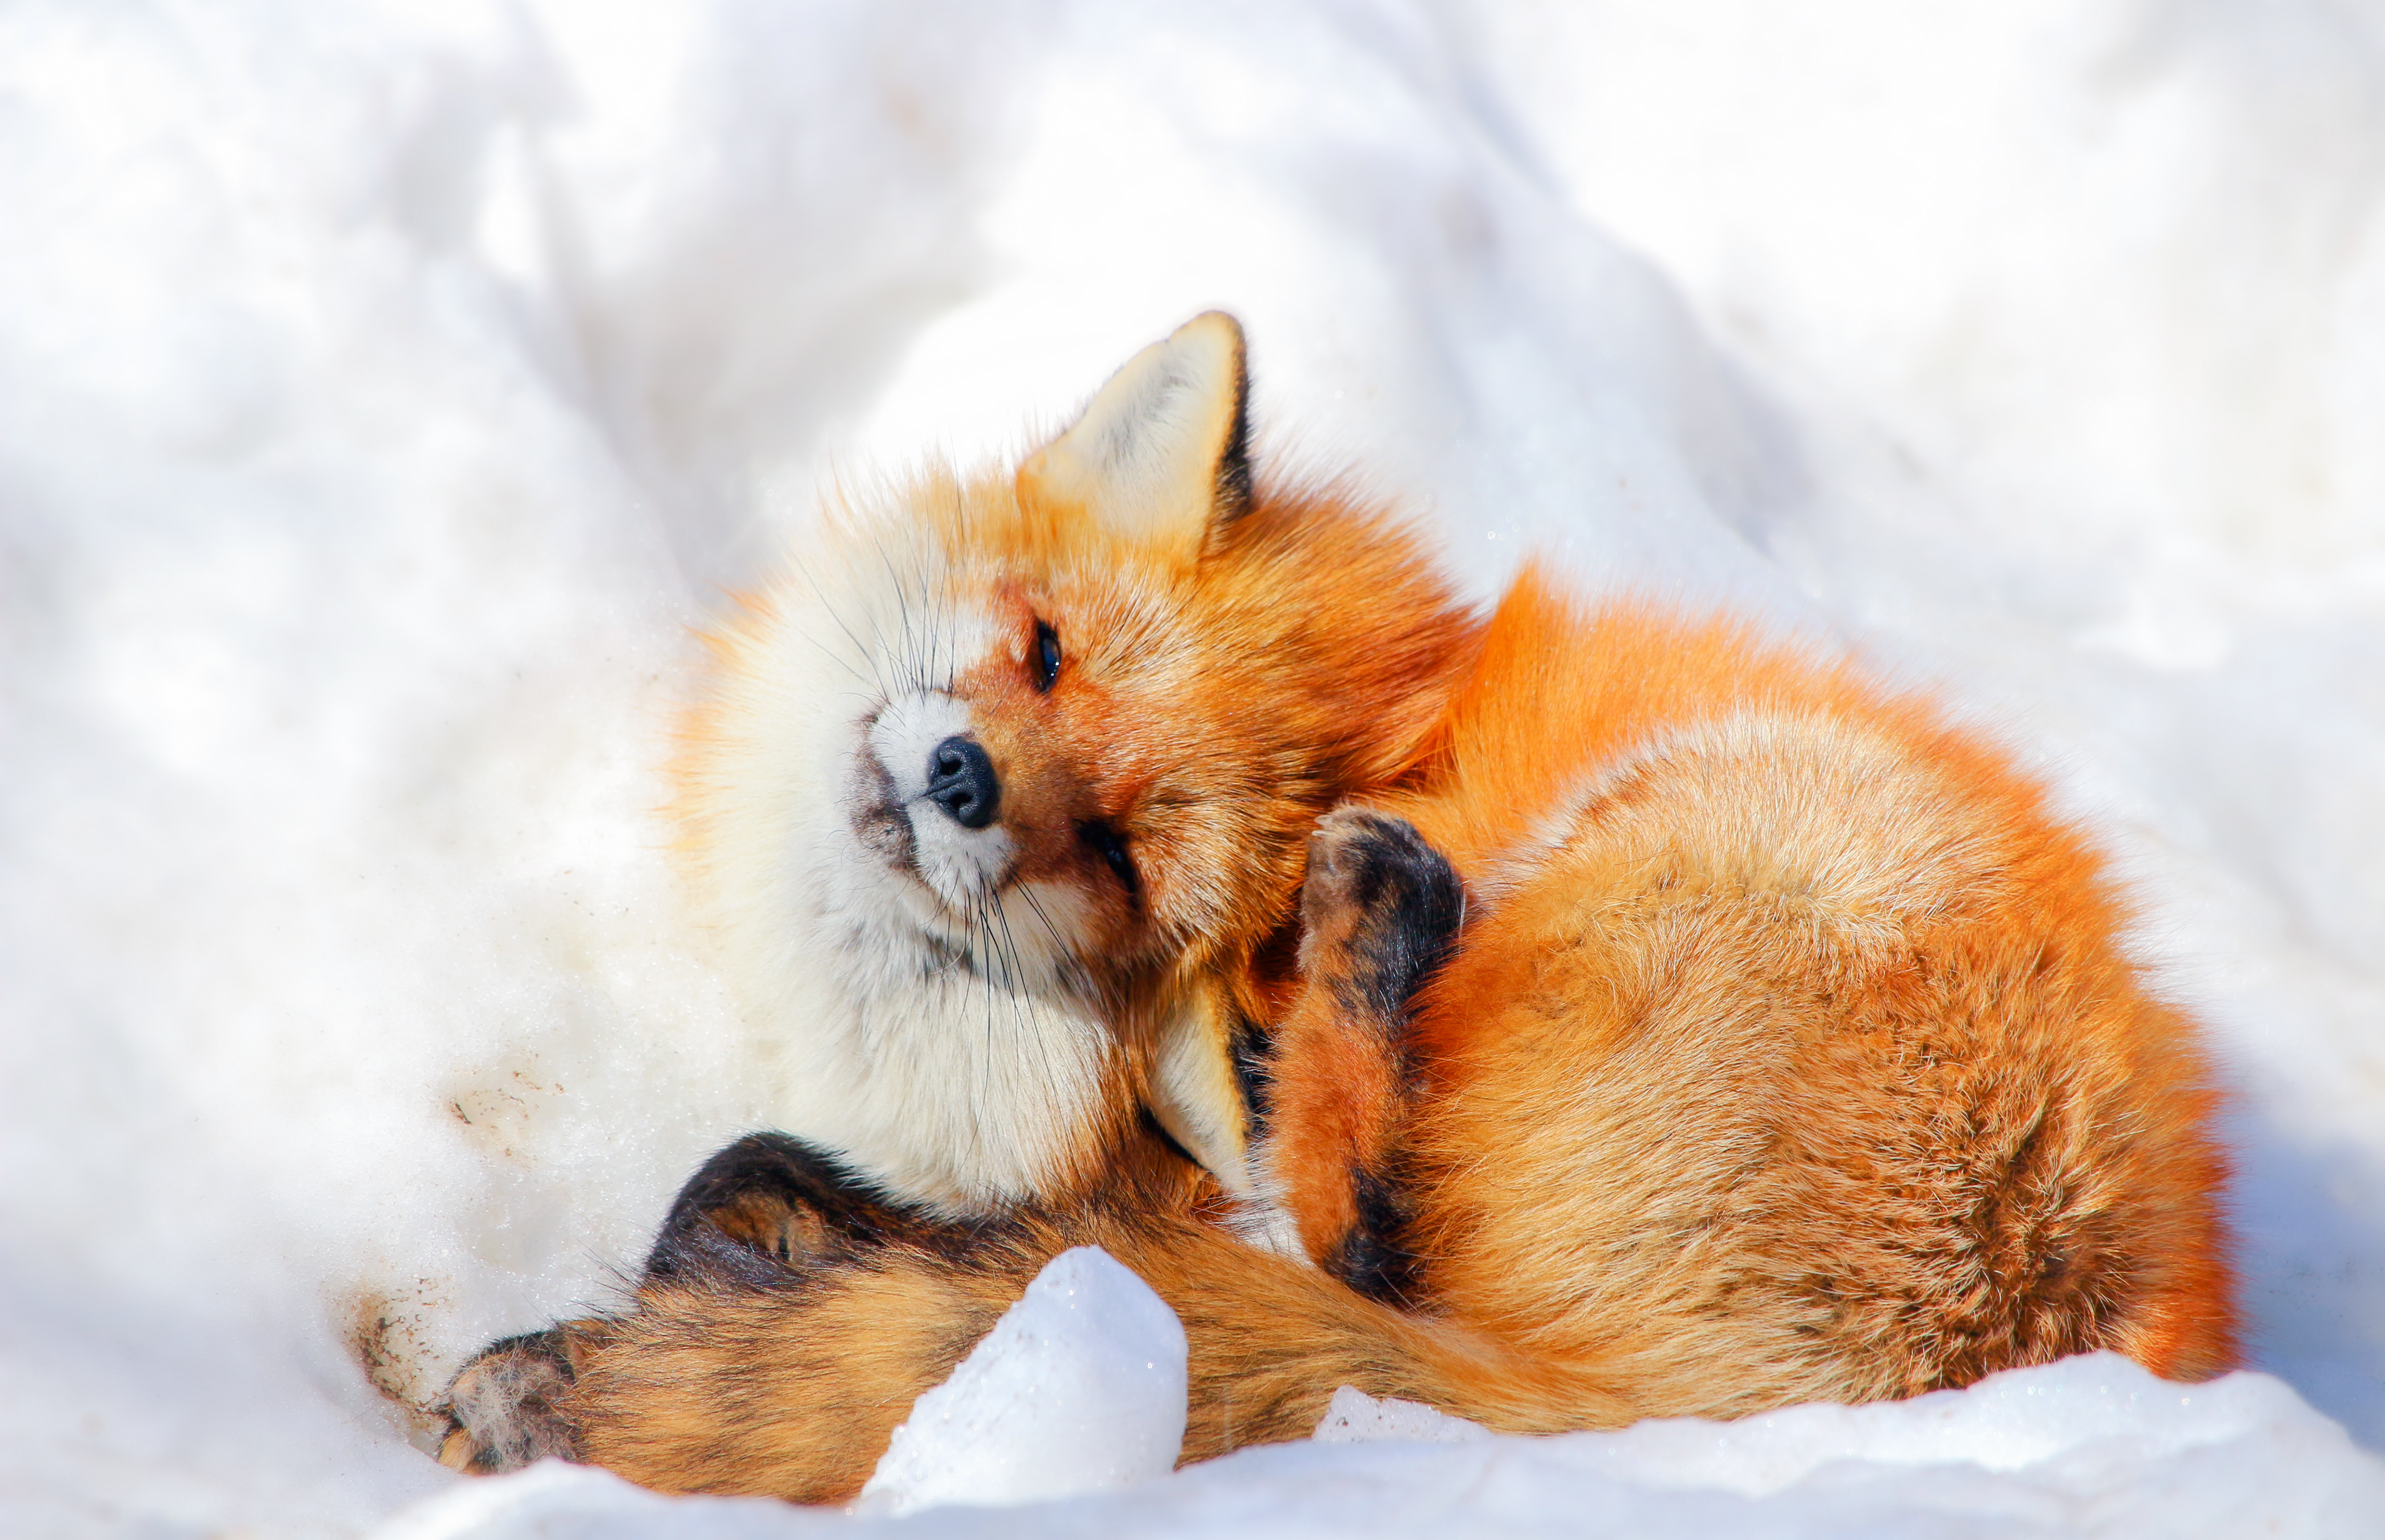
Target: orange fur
x=1799, y=1018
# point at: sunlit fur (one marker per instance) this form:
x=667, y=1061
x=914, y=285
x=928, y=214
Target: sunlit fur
x=1789, y=1049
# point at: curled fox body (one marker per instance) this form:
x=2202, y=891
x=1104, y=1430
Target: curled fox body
x=1576, y=1015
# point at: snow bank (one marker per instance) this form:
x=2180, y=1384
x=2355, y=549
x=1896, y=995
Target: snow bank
x=385, y=388
x=2093, y=1447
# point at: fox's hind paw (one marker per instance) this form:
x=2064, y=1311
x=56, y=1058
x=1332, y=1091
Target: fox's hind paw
x=504, y=1407
x=1378, y=911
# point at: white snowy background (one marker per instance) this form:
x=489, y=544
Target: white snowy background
x=385, y=390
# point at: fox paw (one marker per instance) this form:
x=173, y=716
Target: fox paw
x=1379, y=912
x=770, y=1203
x=503, y=1409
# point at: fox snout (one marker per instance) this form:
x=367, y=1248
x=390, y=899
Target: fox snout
x=941, y=781
x=961, y=781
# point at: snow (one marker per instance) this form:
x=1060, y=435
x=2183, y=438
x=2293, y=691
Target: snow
x=1355, y=1417
x=2092, y=1446
x=1079, y=1388
x=385, y=390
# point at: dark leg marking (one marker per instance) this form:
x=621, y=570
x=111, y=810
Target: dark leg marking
x=1372, y=1257
x=1381, y=911
x=1250, y=1036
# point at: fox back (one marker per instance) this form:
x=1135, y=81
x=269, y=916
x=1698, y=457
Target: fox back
x=1789, y=1049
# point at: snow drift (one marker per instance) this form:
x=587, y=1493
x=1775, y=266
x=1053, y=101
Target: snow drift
x=2092, y=1446
x=386, y=389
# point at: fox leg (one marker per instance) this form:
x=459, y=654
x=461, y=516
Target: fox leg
x=764, y=1205
x=1380, y=913
x=787, y=1319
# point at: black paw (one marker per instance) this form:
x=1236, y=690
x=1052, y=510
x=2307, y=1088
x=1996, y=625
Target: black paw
x=773, y=1199
x=1381, y=911
x=504, y=1409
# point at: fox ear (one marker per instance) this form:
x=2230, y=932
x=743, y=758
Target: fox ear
x=1163, y=451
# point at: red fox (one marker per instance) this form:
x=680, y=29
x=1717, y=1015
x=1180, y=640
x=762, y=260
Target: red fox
x=1581, y=1014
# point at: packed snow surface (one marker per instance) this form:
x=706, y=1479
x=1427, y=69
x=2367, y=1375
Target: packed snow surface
x=1079, y=1388
x=1355, y=1417
x=386, y=392
x=2091, y=1446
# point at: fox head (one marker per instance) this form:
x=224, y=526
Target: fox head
x=1000, y=790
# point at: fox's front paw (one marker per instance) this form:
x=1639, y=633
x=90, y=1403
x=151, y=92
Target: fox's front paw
x=769, y=1203
x=1380, y=911
x=504, y=1407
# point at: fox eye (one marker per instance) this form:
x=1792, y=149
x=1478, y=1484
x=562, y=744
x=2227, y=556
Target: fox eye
x=1046, y=661
x=1106, y=843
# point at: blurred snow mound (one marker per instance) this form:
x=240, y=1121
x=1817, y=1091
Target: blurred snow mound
x=556, y=1501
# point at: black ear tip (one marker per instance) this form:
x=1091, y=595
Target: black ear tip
x=1234, y=458
x=1234, y=463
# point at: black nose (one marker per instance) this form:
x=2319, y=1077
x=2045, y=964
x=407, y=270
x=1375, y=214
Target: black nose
x=961, y=781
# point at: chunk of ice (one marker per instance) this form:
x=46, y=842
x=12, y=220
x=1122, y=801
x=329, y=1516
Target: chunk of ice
x=1079, y=1388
